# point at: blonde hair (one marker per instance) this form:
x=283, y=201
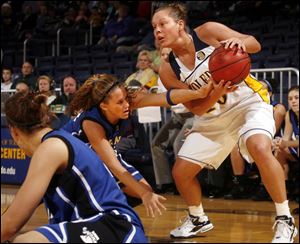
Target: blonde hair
x=145, y=53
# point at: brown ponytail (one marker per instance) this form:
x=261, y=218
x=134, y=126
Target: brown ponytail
x=96, y=89
x=28, y=111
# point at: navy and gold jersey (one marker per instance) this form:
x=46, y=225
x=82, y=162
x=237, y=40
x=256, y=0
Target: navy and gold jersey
x=85, y=188
x=113, y=133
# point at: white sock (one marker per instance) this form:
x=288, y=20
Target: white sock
x=283, y=208
x=196, y=210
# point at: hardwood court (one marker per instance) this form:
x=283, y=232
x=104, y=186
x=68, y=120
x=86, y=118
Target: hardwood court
x=243, y=221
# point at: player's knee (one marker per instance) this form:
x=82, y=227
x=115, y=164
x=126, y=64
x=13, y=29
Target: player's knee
x=260, y=147
x=177, y=173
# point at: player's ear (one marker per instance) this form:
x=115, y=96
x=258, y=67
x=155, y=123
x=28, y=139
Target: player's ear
x=181, y=25
x=103, y=106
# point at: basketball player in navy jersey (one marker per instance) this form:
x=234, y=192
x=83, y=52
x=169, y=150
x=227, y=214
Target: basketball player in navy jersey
x=104, y=105
x=287, y=147
x=82, y=207
x=225, y=117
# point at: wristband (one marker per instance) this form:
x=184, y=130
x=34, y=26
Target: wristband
x=168, y=97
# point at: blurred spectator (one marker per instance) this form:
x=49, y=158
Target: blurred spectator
x=157, y=54
x=145, y=75
x=69, y=86
x=82, y=18
x=22, y=86
x=118, y=30
x=26, y=76
x=46, y=86
x=69, y=17
x=41, y=20
x=168, y=140
x=6, y=80
x=26, y=22
x=287, y=147
x=147, y=43
x=8, y=20
x=96, y=20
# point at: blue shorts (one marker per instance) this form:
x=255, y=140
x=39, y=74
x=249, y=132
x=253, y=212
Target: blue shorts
x=107, y=228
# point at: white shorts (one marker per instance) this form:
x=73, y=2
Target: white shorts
x=212, y=140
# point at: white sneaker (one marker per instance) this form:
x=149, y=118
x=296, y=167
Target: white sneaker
x=191, y=226
x=285, y=229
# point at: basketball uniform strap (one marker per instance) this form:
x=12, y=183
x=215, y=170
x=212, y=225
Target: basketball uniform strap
x=174, y=65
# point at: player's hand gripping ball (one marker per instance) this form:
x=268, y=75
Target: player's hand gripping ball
x=231, y=64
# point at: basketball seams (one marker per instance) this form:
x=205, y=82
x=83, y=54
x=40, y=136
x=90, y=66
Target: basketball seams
x=244, y=68
x=230, y=64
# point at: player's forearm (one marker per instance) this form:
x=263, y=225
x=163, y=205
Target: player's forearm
x=7, y=229
x=175, y=95
x=201, y=106
x=291, y=143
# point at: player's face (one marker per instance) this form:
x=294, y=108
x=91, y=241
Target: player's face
x=117, y=104
x=166, y=29
x=293, y=99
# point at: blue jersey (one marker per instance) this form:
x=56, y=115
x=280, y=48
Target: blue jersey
x=295, y=136
x=113, y=133
x=280, y=132
x=86, y=187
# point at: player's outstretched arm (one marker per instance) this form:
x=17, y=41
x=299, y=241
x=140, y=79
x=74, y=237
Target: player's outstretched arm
x=99, y=142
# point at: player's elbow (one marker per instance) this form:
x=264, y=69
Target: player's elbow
x=10, y=229
x=255, y=45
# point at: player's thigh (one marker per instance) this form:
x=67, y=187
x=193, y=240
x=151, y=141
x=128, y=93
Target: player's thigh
x=207, y=150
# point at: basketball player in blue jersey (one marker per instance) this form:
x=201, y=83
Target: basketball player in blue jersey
x=287, y=147
x=225, y=117
x=104, y=105
x=82, y=207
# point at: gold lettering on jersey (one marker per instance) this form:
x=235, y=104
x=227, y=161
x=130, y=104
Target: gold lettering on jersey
x=203, y=78
x=115, y=140
x=200, y=55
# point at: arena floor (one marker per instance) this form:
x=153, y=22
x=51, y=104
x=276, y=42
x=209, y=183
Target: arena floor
x=235, y=221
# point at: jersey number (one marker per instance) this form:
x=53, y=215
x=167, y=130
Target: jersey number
x=222, y=100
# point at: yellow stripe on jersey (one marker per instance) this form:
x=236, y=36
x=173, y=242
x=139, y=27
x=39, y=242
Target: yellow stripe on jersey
x=258, y=88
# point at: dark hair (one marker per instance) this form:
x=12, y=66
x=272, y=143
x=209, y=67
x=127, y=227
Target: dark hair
x=293, y=88
x=28, y=111
x=7, y=68
x=177, y=11
x=96, y=89
x=269, y=85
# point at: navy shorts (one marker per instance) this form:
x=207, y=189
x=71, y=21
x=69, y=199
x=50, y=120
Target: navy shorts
x=102, y=228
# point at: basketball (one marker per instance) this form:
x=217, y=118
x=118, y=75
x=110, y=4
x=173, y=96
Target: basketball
x=231, y=64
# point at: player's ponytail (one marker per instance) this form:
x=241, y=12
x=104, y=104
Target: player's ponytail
x=28, y=111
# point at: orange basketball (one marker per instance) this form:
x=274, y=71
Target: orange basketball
x=229, y=64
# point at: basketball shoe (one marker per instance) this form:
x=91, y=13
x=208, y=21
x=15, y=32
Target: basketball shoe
x=191, y=226
x=285, y=229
